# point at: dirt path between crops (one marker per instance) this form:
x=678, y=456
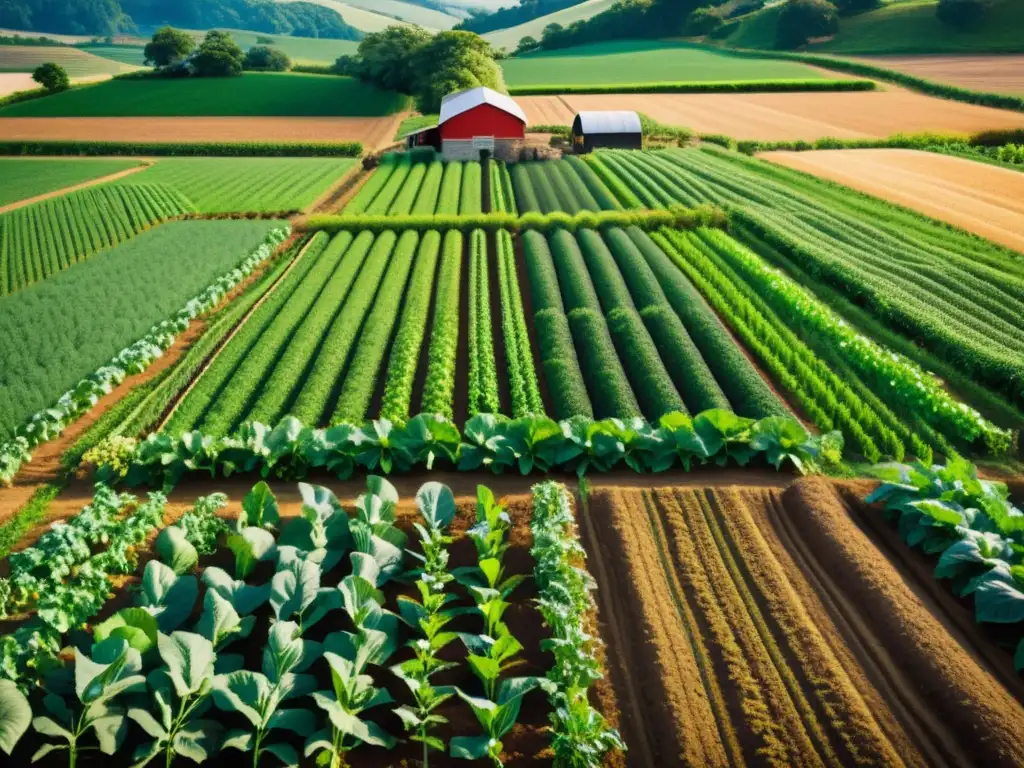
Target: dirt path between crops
x=74, y=188
x=984, y=199
x=762, y=625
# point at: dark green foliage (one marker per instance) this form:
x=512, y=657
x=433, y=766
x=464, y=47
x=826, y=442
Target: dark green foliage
x=526, y=197
x=169, y=46
x=748, y=392
x=439, y=389
x=53, y=77
x=656, y=393
x=217, y=56
x=265, y=58
x=961, y=14
x=540, y=268
x=607, y=279
x=599, y=192
x=602, y=370
x=801, y=20
x=577, y=289
x=702, y=21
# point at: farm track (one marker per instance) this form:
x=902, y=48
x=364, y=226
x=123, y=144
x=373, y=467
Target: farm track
x=749, y=621
x=73, y=188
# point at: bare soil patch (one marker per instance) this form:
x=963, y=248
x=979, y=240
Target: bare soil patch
x=981, y=198
x=767, y=627
x=788, y=116
x=373, y=132
x=995, y=74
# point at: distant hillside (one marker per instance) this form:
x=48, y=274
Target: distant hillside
x=514, y=15
x=406, y=10
x=509, y=38
x=908, y=26
x=360, y=18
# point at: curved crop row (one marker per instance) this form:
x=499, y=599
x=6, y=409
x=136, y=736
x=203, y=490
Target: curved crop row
x=618, y=187
x=430, y=189
x=523, y=386
x=439, y=388
x=483, y=371
x=365, y=368
x=598, y=189
x=451, y=190
x=403, y=362
x=525, y=195
x=317, y=391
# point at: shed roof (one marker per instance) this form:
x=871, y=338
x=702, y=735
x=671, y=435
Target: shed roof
x=593, y=123
x=455, y=104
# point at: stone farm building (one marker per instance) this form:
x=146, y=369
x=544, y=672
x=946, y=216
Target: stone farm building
x=474, y=120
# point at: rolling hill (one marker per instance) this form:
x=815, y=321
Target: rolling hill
x=360, y=18
x=509, y=38
x=427, y=18
x=77, y=62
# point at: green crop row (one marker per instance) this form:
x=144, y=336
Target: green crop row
x=483, y=371
x=365, y=369
x=214, y=381
x=382, y=203
x=396, y=403
x=606, y=379
x=451, y=190
x=470, y=202
x=543, y=187
x=404, y=201
x=502, y=193
x=522, y=376
x=598, y=191
x=526, y=197
x=439, y=388
x=313, y=403
x=616, y=185
x=274, y=391
x=370, y=189
x=40, y=240
x=426, y=199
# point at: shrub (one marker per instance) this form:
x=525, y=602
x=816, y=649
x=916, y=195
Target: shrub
x=263, y=58
x=960, y=14
x=702, y=21
x=218, y=56
x=168, y=46
x=801, y=20
x=53, y=77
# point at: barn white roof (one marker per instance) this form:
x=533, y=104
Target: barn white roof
x=455, y=104
x=594, y=123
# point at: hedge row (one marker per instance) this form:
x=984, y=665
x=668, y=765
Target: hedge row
x=751, y=86
x=896, y=141
x=675, y=217
x=183, y=149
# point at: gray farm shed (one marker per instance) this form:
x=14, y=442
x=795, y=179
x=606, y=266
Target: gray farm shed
x=614, y=130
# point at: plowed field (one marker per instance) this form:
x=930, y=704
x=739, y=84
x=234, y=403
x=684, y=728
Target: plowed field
x=980, y=198
x=783, y=116
x=998, y=74
x=762, y=627
x=373, y=132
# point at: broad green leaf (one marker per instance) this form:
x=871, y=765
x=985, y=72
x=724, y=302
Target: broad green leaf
x=287, y=652
x=189, y=658
x=110, y=729
x=242, y=692
x=15, y=715
x=239, y=739
x=469, y=747
x=285, y=753
x=148, y=723
x=136, y=626
x=437, y=504
x=220, y=622
x=250, y=546
x=49, y=727
x=169, y=596
x=46, y=749
x=176, y=551
x=198, y=739
x=300, y=721
x=998, y=602
x=245, y=598
x=259, y=508
x=294, y=588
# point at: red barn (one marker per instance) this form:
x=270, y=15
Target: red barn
x=474, y=120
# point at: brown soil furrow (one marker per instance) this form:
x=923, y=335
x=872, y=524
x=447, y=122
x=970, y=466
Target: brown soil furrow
x=932, y=680
x=73, y=188
x=838, y=704
x=768, y=708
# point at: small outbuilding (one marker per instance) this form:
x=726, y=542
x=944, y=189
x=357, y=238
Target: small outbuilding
x=612, y=130
x=471, y=121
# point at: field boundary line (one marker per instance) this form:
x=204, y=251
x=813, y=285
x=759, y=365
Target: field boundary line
x=349, y=177
x=182, y=396
x=74, y=188
x=865, y=644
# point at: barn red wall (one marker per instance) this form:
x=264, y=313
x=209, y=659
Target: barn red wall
x=484, y=120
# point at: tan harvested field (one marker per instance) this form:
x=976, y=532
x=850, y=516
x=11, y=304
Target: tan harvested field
x=996, y=74
x=373, y=132
x=11, y=82
x=984, y=199
x=750, y=626
x=786, y=116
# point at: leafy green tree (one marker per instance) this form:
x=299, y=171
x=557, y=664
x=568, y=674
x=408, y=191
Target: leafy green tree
x=53, y=77
x=527, y=44
x=960, y=14
x=702, y=21
x=168, y=46
x=801, y=20
x=264, y=58
x=388, y=58
x=218, y=56
x=453, y=61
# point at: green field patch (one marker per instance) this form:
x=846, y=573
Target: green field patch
x=84, y=316
x=126, y=54
x=644, y=61
x=301, y=50
x=218, y=185
x=78, y=63
x=253, y=94
x=27, y=178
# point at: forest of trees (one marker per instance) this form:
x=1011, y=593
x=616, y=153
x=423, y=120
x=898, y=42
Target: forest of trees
x=482, y=22
x=108, y=17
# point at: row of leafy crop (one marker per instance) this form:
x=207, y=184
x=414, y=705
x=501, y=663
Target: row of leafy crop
x=483, y=370
x=620, y=331
x=147, y=677
x=972, y=526
x=960, y=296
x=403, y=186
x=568, y=186
x=676, y=216
x=80, y=305
x=503, y=199
x=40, y=240
x=579, y=444
x=524, y=389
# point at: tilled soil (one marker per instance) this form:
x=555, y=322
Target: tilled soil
x=996, y=74
x=787, y=116
x=764, y=627
x=984, y=199
x=374, y=132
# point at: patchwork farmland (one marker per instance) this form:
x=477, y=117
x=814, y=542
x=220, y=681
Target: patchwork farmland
x=403, y=460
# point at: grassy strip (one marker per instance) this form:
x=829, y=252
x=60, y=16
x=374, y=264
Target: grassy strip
x=183, y=149
x=675, y=218
x=28, y=516
x=941, y=90
x=751, y=86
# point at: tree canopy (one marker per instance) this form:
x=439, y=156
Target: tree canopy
x=169, y=46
